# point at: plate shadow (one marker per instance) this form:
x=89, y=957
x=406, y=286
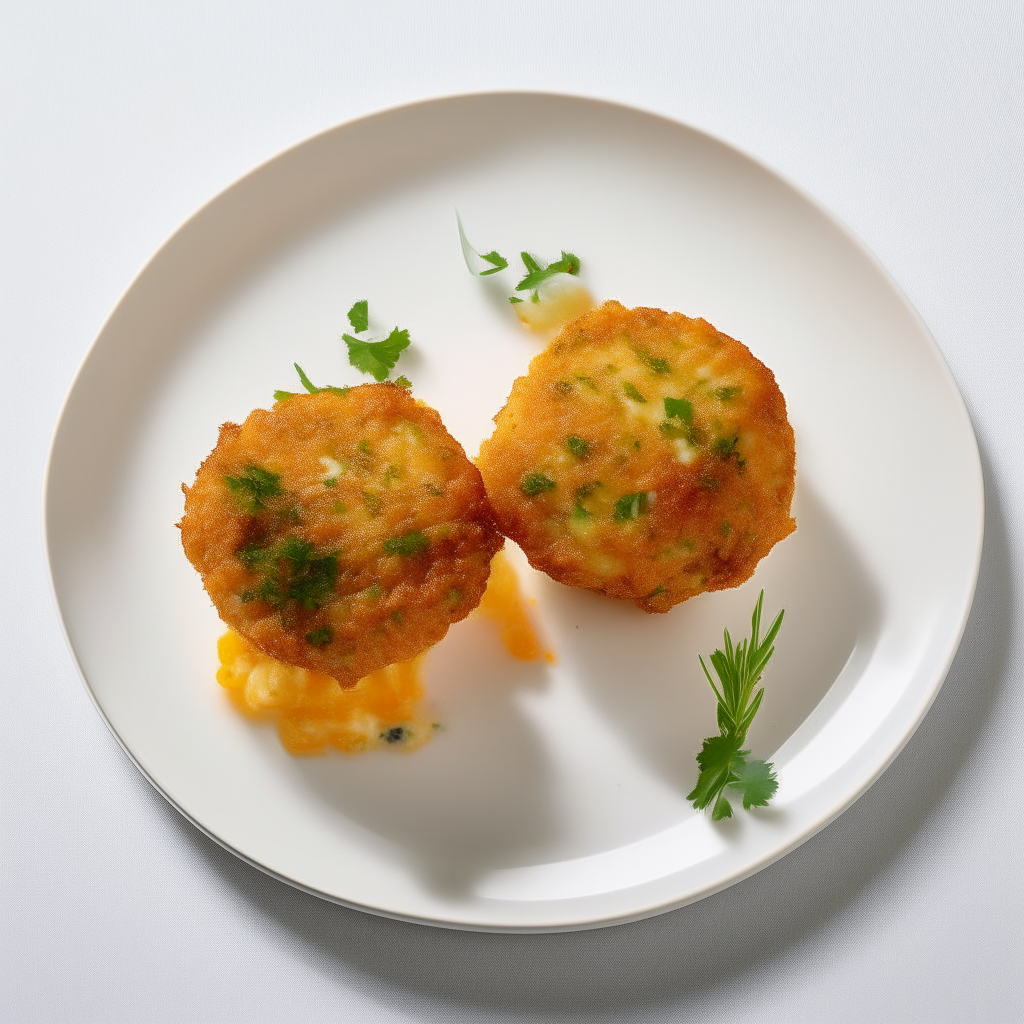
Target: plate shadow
x=676, y=963
x=477, y=796
x=641, y=671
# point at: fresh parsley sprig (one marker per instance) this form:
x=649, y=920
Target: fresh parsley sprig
x=537, y=273
x=376, y=358
x=283, y=396
x=475, y=260
x=723, y=762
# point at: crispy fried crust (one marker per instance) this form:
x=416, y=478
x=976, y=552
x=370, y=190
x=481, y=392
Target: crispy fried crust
x=609, y=487
x=341, y=533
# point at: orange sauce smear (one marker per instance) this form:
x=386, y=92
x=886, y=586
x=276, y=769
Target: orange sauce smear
x=503, y=604
x=313, y=713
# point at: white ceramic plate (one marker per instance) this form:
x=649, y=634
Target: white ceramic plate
x=555, y=798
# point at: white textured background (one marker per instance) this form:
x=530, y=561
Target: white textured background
x=118, y=120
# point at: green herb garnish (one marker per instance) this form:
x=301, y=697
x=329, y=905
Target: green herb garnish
x=254, y=487
x=679, y=407
x=632, y=393
x=377, y=358
x=653, y=362
x=359, y=316
x=290, y=573
x=630, y=506
x=469, y=254
x=537, y=274
x=320, y=637
x=723, y=763
x=727, y=393
x=578, y=446
x=283, y=396
x=408, y=544
x=536, y=483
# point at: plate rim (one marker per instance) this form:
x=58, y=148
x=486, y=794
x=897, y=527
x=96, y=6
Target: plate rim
x=893, y=747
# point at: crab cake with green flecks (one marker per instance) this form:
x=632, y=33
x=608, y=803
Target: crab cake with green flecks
x=645, y=456
x=341, y=532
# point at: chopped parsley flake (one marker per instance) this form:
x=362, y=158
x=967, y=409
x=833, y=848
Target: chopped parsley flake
x=728, y=393
x=679, y=407
x=536, y=483
x=254, y=487
x=291, y=573
x=630, y=506
x=653, y=362
x=578, y=446
x=320, y=637
x=726, y=446
x=408, y=544
x=632, y=393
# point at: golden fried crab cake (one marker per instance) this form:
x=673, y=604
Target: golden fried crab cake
x=645, y=456
x=341, y=532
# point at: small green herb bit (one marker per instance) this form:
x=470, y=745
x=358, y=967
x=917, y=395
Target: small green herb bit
x=377, y=358
x=728, y=392
x=320, y=637
x=408, y=544
x=630, y=506
x=283, y=396
x=536, y=483
x=359, y=316
x=536, y=274
x=653, y=363
x=679, y=407
x=723, y=762
x=254, y=487
x=578, y=446
x=632, y=393
x=470, y=255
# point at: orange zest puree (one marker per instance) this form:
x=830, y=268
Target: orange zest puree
x=313, y=712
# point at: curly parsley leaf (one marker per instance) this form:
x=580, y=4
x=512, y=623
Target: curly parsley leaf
x=359, y=316
x=723, y=762
x=377, y=358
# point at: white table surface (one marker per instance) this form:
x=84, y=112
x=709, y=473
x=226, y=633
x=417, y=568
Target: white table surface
x=118, y=120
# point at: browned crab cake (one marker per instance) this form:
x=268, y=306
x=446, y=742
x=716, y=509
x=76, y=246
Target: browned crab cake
x=341, y=532
x=645, y=456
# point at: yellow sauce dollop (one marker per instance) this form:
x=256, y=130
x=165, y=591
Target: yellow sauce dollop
x=313, y=712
